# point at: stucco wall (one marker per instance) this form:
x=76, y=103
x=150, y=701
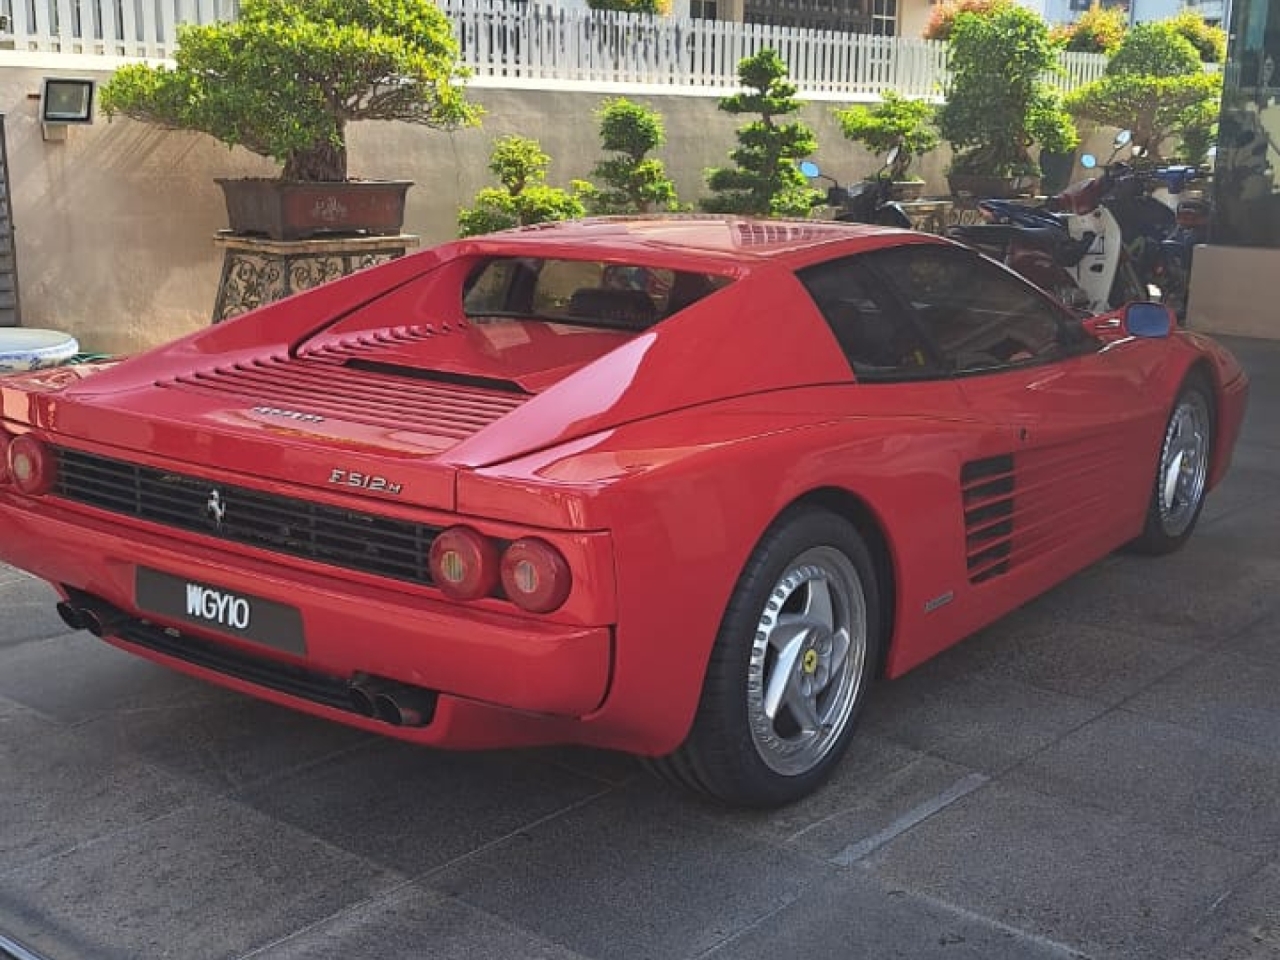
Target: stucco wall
x=115, y=224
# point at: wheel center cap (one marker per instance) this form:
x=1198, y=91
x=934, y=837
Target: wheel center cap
x=810, y=661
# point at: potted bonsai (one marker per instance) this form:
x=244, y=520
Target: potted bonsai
x=898, y=128
x=284, y=80
x=997, y=105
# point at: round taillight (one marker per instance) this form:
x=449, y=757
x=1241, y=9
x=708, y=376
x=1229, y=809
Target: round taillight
x=464, y=564
x=535, y=575
x=32, y=468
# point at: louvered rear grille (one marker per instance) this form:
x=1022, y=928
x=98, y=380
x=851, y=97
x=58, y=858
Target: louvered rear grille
x=987, y=487
x=331, y=535
x=325, y=386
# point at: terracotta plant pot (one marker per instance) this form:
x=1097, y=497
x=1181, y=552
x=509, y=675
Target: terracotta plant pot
x=296, y=210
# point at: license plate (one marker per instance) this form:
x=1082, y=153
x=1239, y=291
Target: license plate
x=235, y=614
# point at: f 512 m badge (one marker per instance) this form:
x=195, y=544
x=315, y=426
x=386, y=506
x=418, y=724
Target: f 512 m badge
x=363, y=481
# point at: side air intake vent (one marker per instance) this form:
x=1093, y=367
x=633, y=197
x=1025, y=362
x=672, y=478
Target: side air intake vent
x=987, y=488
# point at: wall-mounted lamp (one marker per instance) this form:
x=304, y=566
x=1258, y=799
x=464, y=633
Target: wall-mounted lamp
x=64, y=101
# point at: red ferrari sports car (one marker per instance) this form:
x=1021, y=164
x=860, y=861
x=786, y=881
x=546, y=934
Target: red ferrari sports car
x=681, y=487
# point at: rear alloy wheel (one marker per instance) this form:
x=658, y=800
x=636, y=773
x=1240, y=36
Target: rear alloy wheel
x=1182, y=473
x=790, y=668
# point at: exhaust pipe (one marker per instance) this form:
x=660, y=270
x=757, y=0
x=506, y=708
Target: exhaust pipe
x=363, y=693
x=398, y=704
x=70, y=615
x=98, y=618
x=101, y=620
x=405, y=706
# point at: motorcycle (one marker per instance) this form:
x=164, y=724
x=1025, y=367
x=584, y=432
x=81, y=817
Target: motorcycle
x=869, y=201
x=1074, y=245
x=1190, y=227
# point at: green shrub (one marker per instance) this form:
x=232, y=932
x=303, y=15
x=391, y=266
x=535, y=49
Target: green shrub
x=1210, y=41
x=1155, y=50
x=1156, y=87
x=942, y=17
x=287, y=76
x=524, y=198
x=766, y=180
x=656, y=7
x=998, y=105
x=636, y=182
x=894, y=122
x=1099, y=30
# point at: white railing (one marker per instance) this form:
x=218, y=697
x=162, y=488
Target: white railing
x=526, y=42
x=607, y=47
x=114, y=28
x=1079, y=69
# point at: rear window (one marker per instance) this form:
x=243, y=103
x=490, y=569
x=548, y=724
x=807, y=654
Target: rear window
x=583, y=292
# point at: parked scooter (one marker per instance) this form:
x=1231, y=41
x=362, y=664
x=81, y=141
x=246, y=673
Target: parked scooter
x=1171, y=185
x=868, y=201
x=1073, y=246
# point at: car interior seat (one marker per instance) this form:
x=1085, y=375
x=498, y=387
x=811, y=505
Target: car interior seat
x=633, y=309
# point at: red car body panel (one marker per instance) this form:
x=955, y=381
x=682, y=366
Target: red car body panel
x=653, y=461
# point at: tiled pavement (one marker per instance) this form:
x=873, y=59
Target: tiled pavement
x=1098, y=775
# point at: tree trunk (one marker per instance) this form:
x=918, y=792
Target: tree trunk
x=324, y=163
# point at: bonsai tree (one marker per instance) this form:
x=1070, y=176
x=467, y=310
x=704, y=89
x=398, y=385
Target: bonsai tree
x=766, y=179
x=1156, y=87
x=998, y=105
x=636, y=182
x=524, y=198
x=894, y=122
x=286, y=78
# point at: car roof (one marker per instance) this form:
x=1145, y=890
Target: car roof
x=707, y=239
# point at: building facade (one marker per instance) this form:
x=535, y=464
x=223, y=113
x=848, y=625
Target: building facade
x=1246, y=196
x=1235, y=279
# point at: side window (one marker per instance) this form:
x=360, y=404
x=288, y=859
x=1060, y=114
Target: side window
x=878, y=338
x=976, y=315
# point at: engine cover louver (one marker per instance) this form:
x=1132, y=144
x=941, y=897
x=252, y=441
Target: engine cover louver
x=987, y=490
x=328, y=385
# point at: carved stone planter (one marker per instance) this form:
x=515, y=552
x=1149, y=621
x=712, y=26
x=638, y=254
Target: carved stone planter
x=296, y=210
x=257, y=271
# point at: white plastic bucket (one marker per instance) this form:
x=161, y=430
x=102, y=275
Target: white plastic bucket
x=23, y=348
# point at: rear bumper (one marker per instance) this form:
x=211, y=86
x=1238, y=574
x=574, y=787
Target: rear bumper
x=480, y=664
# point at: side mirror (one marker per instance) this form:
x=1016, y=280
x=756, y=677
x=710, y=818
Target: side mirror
x=1142, y=318
x=891, y=157
x=1151, y=320
x=810, y=169
x=1122, y=139
x=1088, y=161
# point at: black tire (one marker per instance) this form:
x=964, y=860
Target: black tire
x=1182, y=471
x=809, y=588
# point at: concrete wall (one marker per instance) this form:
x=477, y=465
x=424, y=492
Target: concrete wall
x=115, y=224
x=1235, y=290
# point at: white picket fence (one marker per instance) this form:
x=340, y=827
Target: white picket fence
x=113, y=28
x=532, y=43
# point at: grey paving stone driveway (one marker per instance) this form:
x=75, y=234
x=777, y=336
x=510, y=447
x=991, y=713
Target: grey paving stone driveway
x=1097, y=776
